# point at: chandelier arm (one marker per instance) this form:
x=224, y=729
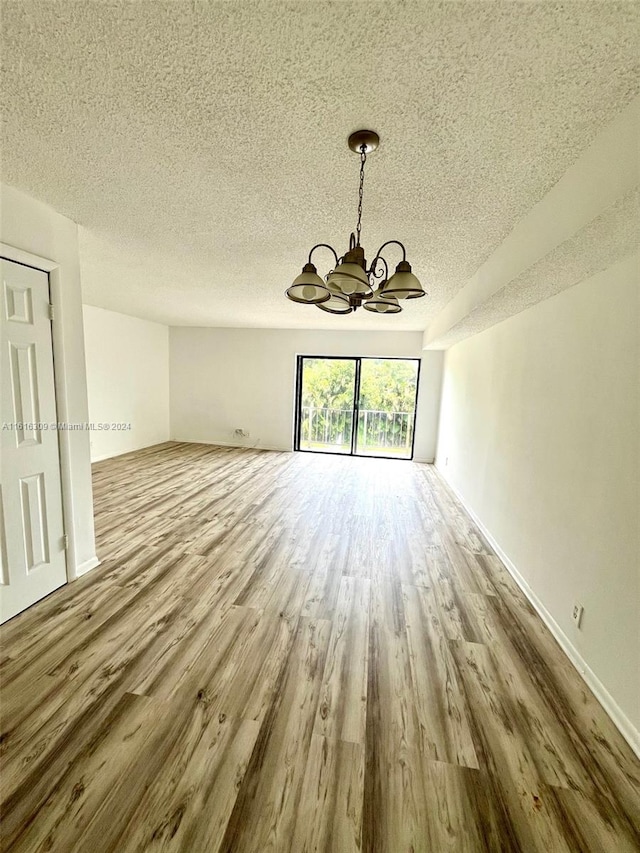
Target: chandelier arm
x=383, y=272
x=323, y=246
x=388, y=243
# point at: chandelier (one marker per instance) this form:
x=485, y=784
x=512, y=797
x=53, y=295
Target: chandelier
x=350, y=284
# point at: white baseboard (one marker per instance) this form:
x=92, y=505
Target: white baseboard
x=113, y=455
x=85, y=567
x=247, y=446
x=221, y=443
x=107, y=456
x=624, y=725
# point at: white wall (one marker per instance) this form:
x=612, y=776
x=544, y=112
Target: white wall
x=540, y=436
x=33, y=227
x=127, y=381
x=222, y=379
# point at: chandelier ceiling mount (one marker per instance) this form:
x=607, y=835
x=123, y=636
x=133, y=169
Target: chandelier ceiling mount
x=368, y=138
x=351, y=283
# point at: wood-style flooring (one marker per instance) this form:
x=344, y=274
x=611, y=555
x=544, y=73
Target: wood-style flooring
x=288, y=652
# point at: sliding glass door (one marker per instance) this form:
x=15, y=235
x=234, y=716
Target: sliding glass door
x=387, y=407
x=326, y=404
x=357, y=406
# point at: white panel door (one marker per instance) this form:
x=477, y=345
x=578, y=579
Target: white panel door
x=32, y=556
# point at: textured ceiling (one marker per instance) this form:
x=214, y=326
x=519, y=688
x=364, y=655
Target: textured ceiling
x=606, y=240
x=202, y=145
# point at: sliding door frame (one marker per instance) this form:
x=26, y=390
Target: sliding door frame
x=358, y=359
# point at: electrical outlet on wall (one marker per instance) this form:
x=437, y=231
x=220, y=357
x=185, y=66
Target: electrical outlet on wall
x=576, y=614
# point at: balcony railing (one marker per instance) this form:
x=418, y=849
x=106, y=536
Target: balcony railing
x=378, y=431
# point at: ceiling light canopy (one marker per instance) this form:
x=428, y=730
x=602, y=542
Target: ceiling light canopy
x=350, y=284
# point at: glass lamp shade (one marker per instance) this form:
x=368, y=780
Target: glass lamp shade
x=308, y=287
x=350, y=279
x=381, y=304
x=403, y=284
x=338, y=303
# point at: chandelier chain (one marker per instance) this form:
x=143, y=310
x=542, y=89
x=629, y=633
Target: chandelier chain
x=363, y=160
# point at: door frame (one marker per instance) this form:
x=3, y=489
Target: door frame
x=297, y=404
x=52, y=269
